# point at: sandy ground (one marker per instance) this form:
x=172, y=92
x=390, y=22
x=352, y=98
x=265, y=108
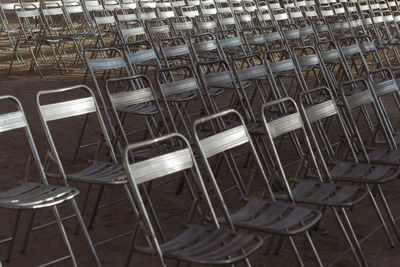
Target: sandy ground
x=46, y=244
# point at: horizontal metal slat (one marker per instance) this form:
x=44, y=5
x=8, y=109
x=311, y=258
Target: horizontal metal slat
x=68, y=109
x=160, y=166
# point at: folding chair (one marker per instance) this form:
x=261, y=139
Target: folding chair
x=140, y=56
x=130, y=29
x=360, y=110
x=285, y=125
x=133, y=99
x=207, y=245
x=33, y=34
x=252, y=210
x=178, y=87
x=183, y=26
x=285, y=78
x=76, y=104
x=106, y=27
x=31, y=196
x=7, y=29
x=346, y=166
x=158, y=29
x=57, y=23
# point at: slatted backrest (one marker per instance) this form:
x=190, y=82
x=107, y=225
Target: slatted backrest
x=223, y=141
x=67, y=109
x=218, y=78
x=252, y=72
x=141, y=56
x=161, y=166
x=128, y=98
x=285, y=124
x=106, y=63
x=12, y=120
x=321, y=111
x=180, y=86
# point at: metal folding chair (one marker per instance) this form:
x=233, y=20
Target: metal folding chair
x=251, y=210
x=207, y=245
x=178, y=87
x=77, y=104
x=285, y=125
x=347, y=166
x=133, y=99
x=30, y=196
x=33, y=34
x=130, y=29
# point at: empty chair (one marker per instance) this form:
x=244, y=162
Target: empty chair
x=194, y=243
x=76, y=104
x=133, y=99
x=257, y=213
x=33, y=35
x=27, y=195
x=351, y=168
x=285, y=125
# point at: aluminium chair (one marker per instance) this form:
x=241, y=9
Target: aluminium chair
x=74, y=105
x=287, y=126
x=195, y=242
x=339, y=158
x=27, y=195
x=241, y=203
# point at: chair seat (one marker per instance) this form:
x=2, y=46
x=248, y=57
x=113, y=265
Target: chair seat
x=140, y=109
x=182, y=97
x=198, y=244
x=276, y=217
x=330, y=194
x=98, y=173
x=364, y=172
x=34, y=196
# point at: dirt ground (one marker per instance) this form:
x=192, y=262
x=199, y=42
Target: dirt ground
x=46, y=244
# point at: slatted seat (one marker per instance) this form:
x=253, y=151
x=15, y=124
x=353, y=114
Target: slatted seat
x=35, y=196
x=97, y=173
x=202, y=245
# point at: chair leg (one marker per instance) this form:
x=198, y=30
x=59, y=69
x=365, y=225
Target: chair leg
x=316, y=255
x=14, y=234
x=296, y=251
x=28, y=232
x=64, y=235
x=13, y=56
x=84, y=207
x=354, y=237
x=379, y=214
x=346, y=236
x=388, y=212
x=85, y=232
x=96, y=207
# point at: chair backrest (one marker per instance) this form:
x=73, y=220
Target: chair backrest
x=13, y=118
x=205, y=47
x=135, y=95
x=141, y=53
x=315, y=114
x=56, y=111
x=224, y=142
